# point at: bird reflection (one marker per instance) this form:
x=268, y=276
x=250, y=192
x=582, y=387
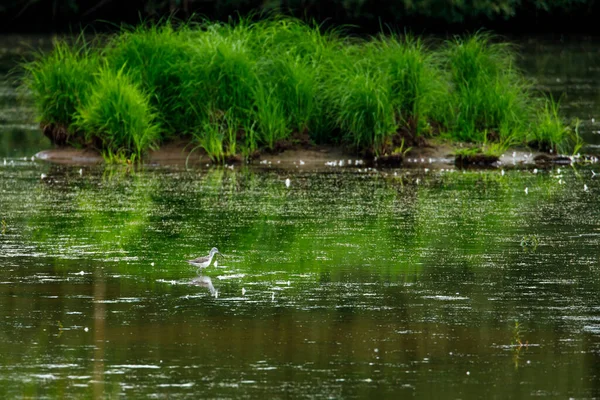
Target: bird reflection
x=206, y=282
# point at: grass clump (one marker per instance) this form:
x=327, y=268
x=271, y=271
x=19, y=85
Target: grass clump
x=227, y=79
x=296, y=71
x=551, y=134
x=60, y=82
x=412, y=75
x=160, y=59
x=362, y=106
x=233, y=89
x=292, y=82
x=489, y=98
x=117, y=116
x=491, y=102
x=476, y=156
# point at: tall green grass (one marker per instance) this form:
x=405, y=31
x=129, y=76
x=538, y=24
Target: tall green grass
x=489, y=96
x=361, y=100
x=297, y=67
x=117, y=116
x=292, y=82
x=413, y=77
x=60, y=82
x=235, y=88
x=550, y=133
x=162, y=61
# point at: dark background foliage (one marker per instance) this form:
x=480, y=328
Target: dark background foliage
x=554, y=16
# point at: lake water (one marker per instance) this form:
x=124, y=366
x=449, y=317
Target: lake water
x=349, y=283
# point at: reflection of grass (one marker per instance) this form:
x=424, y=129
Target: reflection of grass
x=110, y=216
x=356, y=239
x=517, y=343
x=4, y=226
x=455, y=205
x=254, y=214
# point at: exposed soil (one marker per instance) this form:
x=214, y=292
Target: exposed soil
x=57, y=134
x=551, y=159
x=298, y=154
x=483, y=160
x=392, y=160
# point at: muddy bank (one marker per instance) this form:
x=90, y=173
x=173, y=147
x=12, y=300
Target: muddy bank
x=440, y=155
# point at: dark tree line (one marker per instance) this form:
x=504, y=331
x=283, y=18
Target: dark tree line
x=418, y=15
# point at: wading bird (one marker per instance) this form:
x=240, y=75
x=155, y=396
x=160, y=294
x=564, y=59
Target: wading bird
x=203, y=262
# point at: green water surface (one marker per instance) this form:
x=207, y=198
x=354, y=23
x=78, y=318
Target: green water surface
x=348, y=283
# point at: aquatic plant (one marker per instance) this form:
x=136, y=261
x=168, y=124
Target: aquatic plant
x=161, y=60
x=550, y=133
x=413, y=77
x=291, y=81
x=488, y=95
x=60, y=82
x=234, y=88
x=529, y=243
x=117, y=116
x=475, y=156
x=360, y=100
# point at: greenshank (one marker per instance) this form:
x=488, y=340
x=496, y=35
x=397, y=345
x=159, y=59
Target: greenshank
x=203, y=262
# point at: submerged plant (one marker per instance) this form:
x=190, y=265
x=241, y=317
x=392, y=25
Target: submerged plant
x=517, y=343
x=529, y=243
x=117, y=116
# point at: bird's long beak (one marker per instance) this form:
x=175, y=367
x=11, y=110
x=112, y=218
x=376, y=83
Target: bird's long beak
x=222, y=254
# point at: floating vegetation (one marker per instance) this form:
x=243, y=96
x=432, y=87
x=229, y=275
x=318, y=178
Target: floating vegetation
x=474, y=156
x=232, y=89
x=529, y=243
x=3, y=226
x=517, y=344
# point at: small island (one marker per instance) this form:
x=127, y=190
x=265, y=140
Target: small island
x=232, y=92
